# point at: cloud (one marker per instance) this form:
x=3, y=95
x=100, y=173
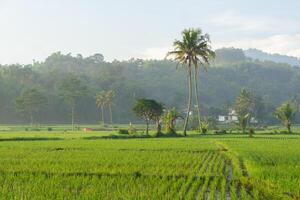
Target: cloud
x=287, y=44
x=155, y=53
x=236, y=22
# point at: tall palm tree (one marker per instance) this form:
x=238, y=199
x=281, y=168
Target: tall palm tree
x=202, y=56
x=101, y=102
x=193, y=50
x=110, y=96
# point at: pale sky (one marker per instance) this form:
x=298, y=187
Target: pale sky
x=122, y=29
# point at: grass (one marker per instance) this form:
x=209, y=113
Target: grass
x=92, y=165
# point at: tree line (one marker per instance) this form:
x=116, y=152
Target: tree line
x=192, y=52
x=133, y=79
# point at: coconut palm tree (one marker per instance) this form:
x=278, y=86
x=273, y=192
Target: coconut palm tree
x=286, y=114
x=193, y=50
x=110, y=96
x=101, y=102
x=202, y=56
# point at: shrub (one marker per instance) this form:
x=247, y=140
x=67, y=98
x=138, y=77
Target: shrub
x=123, y=132
x=251, y=132
x=49, y=129
x=284, y=132
x=131, y=130
x=220, y=132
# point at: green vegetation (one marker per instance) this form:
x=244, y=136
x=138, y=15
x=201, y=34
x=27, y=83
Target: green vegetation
x=170, y=120
x=30, y=103
x=117, y=161
x=149, y=110
x=275, y=83
x=72, y=89
x=194, y=50
x=286, y=114
x=81, y=165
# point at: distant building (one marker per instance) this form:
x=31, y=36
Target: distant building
x=233, y=117
x=87, y=129
x=230, y=117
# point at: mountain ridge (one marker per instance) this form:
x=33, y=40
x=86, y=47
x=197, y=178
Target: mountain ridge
x=278, y=58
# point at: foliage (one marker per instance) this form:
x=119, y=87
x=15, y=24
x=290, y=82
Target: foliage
x=286, y=114
x=193, y=50
x=29, y=103
x=245, y=105
x=149, y=110
x=204, y=126
x=170, y=120
x=123, y=132
x=136, y=78
x=72, y=89
x=105, y=99
x=169, y=168
x=132, y=130
x=243, y=121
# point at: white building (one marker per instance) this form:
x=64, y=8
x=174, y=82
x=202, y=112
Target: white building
x=231, y=117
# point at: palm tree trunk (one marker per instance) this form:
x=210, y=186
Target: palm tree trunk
x=147, y=126
x=189, y=101
x=196, y=95
x=102, y=115
x=110, y=112
x=289, y=127
x=158, y=126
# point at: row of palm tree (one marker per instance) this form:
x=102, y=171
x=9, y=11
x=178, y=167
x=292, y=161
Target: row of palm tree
x=105, y=99
x=192, y=52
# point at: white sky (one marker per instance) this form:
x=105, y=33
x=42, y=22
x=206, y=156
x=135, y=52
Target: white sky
x=33, y=29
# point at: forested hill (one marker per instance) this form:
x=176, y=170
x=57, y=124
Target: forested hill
x=132, y=79
x=260, y=55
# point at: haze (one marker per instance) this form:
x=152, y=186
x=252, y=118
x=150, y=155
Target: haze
x=143, y=29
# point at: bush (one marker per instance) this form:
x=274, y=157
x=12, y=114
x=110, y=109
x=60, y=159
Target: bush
x=123, y=132
x=220, y=132
x=49, y=129
x=284, y=132
x=132, y=130
x=251, y=132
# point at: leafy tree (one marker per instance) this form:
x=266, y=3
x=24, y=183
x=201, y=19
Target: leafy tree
x=30, y=102
x=286, y=114
x=148, y=110
x=193, y=50
x=96, y=58
x=259, y=109
x=72, y=89
x=170, y=119
x=134, y=79
x=244, y=107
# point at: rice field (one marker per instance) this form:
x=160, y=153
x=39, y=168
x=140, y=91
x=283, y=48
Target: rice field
x=60, y=165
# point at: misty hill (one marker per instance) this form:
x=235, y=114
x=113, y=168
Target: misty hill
x=263, y=56
x=135, y=78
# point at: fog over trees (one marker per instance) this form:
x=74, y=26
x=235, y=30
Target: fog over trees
x=132, y=79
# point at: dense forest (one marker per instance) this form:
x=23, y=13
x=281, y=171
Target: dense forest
x=136, y=78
